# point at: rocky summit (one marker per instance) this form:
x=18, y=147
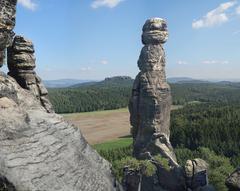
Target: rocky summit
x=38, y=149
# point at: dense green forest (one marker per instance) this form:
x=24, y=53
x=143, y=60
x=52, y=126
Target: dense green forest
x=208, y=126
x=215, y=125
x=114, y=93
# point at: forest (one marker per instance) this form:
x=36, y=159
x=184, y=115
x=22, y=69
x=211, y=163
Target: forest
x=114, y=93
x=207, y=126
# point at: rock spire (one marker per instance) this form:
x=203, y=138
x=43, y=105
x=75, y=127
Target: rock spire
x=150, y=103
x=21, y=65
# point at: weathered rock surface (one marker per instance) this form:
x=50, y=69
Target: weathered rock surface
x=7, y=23
x=150, y=103
x=149, y=108
x=40, y=151
x=21, y=65
x=196, y=174
x=233, y=181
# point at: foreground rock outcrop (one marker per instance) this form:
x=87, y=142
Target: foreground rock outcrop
x=38, y=149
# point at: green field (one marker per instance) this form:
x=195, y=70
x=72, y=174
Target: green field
x=115, y=144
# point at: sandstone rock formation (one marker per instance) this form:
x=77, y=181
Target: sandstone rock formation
x=21, y=64
x=7, y=23
x=149, y=108
x=150, y=103
x=196, y=175
x=39, y=150
x=233, y=181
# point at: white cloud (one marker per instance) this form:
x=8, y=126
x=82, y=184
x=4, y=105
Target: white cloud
x=105, y=3
x=238, y=10
x=104, y=62
x=215, y=17
x=84, y=69
x=180, y=62
x=29, y=4
x=215, y=62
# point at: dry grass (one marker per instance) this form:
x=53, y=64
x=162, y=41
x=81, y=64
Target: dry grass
x=103, y=126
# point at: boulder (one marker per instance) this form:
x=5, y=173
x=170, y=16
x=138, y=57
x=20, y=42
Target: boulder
x=233, y=181
x=196, y=174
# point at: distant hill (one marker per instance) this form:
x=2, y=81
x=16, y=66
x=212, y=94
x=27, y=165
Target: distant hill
x=184, y=80
x=118, y=81
x=111, y=93
x=63, y=83
x=114, y=92
x=178, y=79
x=125, y=81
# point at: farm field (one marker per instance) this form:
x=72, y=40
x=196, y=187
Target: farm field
x=103, y=126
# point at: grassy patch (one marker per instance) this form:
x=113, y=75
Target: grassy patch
x=116, y=144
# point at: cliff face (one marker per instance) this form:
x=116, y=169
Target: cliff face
x=38, y=149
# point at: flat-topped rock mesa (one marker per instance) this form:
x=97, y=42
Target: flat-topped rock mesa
x=39, y=150
x=118, y=78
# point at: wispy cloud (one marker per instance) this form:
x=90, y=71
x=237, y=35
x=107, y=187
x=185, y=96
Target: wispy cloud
x=181, y=62
x=238, y=10
x=105, y=3
x=215, y=62
x=104, y=62
x=84, y=69
x=215, y=17
x=29, y=4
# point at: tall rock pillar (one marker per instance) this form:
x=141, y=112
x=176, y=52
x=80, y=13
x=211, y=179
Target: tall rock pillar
x=150, y=104
x=21, y=65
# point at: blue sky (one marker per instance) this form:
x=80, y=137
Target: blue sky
x=94, y=39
